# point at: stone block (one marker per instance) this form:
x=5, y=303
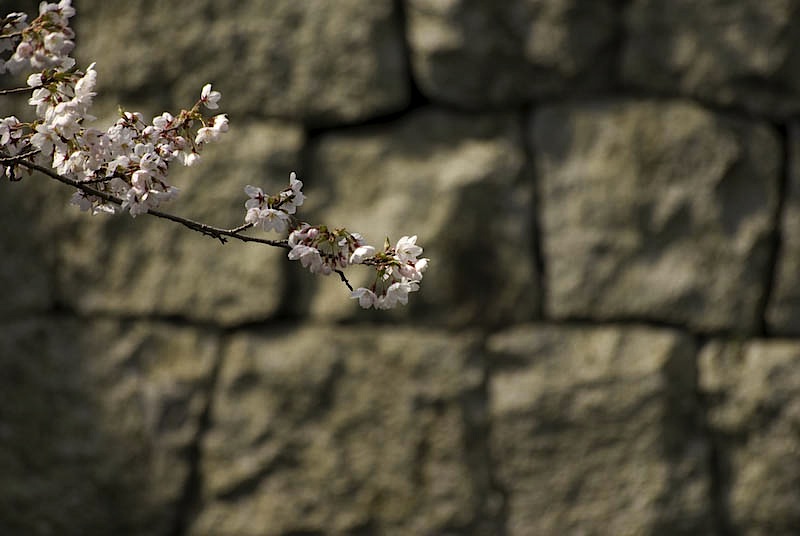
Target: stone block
x=500, y=54
x=743, y=54
x=656, y=210
x=346, y=431
x=754, y=414
x=594, y=431
x=315, y=62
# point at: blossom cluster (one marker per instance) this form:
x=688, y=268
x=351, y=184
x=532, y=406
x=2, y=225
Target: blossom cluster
x=398, y=268
x=129, y=160
x=126, y=165
x=45, y=43
x=273, y=212
x=398, y=272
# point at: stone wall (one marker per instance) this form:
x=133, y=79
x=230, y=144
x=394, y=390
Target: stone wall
x=607, y=340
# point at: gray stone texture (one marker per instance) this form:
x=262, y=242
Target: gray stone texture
x=345, y=431
x=538, y=48
x=743, y=54
x=754, y=416
x=316, y=62
x=593, y=431
x=655, y=210
x=602, y=188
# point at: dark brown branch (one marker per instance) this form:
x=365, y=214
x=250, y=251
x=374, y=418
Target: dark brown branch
x=344, y=279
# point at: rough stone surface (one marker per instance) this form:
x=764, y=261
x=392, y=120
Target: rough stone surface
x=593, y=431
x=148, y=266
x=316, y=62
x=25, y=246
x=655, y=210
x=783, y=310
x=27, y=255
x=95, y=421
x=457, y=181
x=346, y=431
x=754, y=393
x=478, y=54
x=744, y=54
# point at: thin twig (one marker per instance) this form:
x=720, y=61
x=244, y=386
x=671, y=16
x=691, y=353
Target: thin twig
x=242, y=227
x=344, y=279
x=18, y=158
x=12, y=35
x=15, y=90
x=100, y=180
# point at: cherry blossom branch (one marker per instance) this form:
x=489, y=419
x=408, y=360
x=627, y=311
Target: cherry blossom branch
x=205, y=229
x=202, y=228
x=124, y=168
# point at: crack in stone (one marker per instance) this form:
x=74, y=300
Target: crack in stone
x=537, y=232
x=497, y=499
x=776, y=235
x=189, y=500
x=718, y=510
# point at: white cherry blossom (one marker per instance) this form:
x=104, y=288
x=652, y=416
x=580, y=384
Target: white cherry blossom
x=366, y=298
x=361, y=253
x=209, y=97
x=268, y=219
x=407, y=249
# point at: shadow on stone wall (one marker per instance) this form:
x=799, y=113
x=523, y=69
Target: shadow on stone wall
x=97, y=420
